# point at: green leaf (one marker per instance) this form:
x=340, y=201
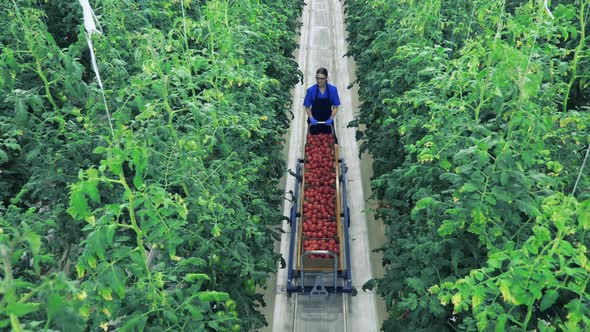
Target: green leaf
x=501, y=323
x=209, y=296
x=549, y=299
x=3, y=156
x=115, y=278
x=545, y=326
x=92, y=261
x=482, y=320
x=90, y=188
x=468, y=187
x=504, y=285
x=192, y=277
x=542, y=233
x=528, y=208
x=584, y=214
x=171, y=316
x=213, y=325
x=436, y=308
x=445, y=164
x=424, y=203
x=216, y=231
x=449, y=227
x=109, y=233
x=369, y=285
x=416, y=284
x=477, y=297
x=96, y=243
x=138, y=180
x=21, y=309
x=140, y=160
x=80, y=270
x=135, y=323
x=92, y=174
x=498, y=92
x=99, y=150
x=562, y=67
x=115, y=161
x=575, y=311
x=35, y=242
x=79, y=208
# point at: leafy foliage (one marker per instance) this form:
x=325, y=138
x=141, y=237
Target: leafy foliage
x=475, y=115
x=167, y=222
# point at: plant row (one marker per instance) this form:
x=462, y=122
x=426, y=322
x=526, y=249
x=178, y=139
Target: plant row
x=156, y=207
x=476, y=116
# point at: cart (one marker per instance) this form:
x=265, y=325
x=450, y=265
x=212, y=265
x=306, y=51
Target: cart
x=311, y=269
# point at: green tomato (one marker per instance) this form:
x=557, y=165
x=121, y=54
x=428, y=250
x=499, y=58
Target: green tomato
x=250, y=285
x=214, y=258
x=230, y=305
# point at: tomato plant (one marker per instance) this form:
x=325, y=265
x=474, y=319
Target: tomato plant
x=473, y=113
x=168, y=221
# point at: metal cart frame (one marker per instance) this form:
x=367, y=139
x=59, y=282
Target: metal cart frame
x=340, y=274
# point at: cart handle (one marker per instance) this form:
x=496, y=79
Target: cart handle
x=319, y=252
x=323, y=123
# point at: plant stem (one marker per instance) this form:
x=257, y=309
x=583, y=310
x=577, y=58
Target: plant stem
x=576, y=56
x=135, y=226
x=8, y=284
x=31, y=293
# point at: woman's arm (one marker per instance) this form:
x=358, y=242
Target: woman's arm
x=335, y=102
x=307, y=102
x=334, y=111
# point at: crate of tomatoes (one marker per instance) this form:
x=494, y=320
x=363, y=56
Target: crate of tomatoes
x=320, y=227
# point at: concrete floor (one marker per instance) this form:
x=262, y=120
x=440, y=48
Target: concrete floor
x=323, y=44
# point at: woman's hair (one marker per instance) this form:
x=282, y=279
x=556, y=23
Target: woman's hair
x=322, y=71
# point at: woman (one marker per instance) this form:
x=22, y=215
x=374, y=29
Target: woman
x=321, y=103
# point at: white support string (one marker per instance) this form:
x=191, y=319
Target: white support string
x=547, y=9
x=90, y=23
x=581, y=171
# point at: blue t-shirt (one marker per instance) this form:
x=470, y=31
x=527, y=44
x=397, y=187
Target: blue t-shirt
x=310, y=96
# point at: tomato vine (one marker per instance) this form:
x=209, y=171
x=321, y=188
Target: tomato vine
x=477, y=139
x=169, y=222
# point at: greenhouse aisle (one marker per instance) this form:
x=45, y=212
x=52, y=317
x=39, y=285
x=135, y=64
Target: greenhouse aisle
x=323, y=44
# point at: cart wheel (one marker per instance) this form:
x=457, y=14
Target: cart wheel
x=354, y=291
